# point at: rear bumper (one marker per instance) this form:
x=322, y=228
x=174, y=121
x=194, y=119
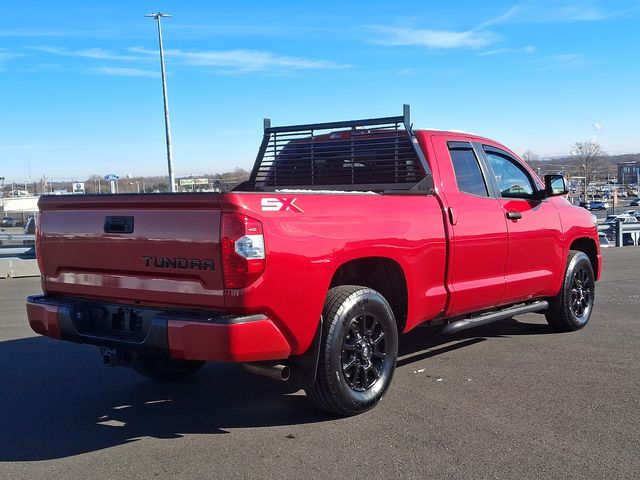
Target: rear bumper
x=189, y=335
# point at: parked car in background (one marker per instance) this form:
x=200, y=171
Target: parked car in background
x=625, y=218
x=9, y=222
x=635, y=203
x=597, y=205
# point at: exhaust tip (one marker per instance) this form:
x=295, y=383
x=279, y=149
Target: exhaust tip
x=285, y=373
x=276, y=372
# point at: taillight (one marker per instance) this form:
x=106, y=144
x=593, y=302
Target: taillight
x=243, y=254
x=38, y=244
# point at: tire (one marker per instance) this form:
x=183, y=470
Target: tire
x=571, y=309
x=165, y=369
x=358, y=351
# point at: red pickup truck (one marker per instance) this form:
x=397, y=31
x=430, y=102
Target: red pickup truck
x=346, y=235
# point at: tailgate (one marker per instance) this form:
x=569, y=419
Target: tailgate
x=154, y=249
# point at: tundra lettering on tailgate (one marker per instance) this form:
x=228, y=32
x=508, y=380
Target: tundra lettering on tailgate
x=179, y=263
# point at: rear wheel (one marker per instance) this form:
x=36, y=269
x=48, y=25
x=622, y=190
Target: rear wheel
x=571, y=309
x=358, y=351
x=165, y=369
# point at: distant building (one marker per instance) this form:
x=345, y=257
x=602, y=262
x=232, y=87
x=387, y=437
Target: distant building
x=628, y=172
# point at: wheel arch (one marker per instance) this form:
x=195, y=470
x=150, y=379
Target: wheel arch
x=587, y=246
x=382, y=274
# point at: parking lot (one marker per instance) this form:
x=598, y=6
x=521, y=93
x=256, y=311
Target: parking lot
x=509, y=400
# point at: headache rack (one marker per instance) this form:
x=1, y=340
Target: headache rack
x=377, y=154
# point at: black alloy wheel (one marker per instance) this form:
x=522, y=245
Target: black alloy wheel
x=582, y=289
x=363, y=352
x=571, y=309
x=358, y=351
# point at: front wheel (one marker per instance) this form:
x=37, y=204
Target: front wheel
x=571, y=309
x=358, y=351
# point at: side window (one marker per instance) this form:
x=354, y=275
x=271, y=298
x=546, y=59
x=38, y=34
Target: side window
x=511, y=178
x=465, y=164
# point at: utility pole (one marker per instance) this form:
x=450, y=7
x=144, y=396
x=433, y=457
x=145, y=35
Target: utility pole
x=167, y=125
x=585, y=181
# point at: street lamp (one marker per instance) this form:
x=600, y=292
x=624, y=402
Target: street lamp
x=167, y=125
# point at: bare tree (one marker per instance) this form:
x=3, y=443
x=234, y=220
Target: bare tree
x=530, y=157
x=588, y=156
x=533, y=160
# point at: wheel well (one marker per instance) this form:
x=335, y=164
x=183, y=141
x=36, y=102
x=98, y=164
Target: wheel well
x=587, y=246
x=381, y=274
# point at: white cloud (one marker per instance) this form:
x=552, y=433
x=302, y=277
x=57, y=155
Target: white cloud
x=93, y=53
x=124, y=72
x=528, y=49
x=394, y=36
x=561, y=62
x=583, y=13
x=44, y=32
x=227, y=61
x=505, y=16
x=244, y=61
x=473, y=38
x=6, y=56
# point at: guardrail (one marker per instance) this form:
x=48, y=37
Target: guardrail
x=17, y=238
x=623, y=234
x=621, y=230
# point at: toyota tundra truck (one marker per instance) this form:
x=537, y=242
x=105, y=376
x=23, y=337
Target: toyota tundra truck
x=346, y=235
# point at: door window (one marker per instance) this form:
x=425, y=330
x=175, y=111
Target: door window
x=513, y=181
x=468, y=175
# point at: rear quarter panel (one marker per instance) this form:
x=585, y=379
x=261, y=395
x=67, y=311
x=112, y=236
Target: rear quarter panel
x=306, y=247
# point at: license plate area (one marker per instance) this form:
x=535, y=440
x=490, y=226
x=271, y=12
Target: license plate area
x=121, y=322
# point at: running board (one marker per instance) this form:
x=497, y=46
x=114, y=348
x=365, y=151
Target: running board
x=472, y=322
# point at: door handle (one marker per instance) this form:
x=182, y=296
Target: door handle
x=514, y=215
x=453, y=218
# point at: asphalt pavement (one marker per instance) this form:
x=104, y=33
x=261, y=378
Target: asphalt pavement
x=511, y=400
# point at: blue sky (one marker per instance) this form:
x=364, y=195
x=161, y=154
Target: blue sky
x=80, y=90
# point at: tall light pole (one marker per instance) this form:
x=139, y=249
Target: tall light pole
x=167, y=125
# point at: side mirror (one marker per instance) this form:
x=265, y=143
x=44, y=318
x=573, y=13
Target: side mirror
x=554, y=185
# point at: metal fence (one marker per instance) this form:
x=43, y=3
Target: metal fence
x=10, y=238
x=623, y=234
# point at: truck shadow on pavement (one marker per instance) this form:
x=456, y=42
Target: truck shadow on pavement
x=58, y=400
x=424, y=342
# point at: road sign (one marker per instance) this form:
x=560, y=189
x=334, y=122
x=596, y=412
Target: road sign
x=185, y=182
x=112, y=177
x=78, y=187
